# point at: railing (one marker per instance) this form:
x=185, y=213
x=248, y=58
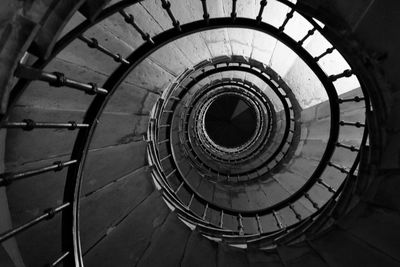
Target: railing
x=195, y=159
x=288, y=102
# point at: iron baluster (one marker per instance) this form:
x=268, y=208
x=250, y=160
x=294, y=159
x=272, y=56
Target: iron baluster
x=355, y=124
x=131, y=21
x=205, y=211
x=298, y=216
x=7, y=178
x=263, y=3
x=163, y=141
x=59, y=260
x=330, y=188
x=179, y=188
x=49, y=214
x=206, y=16
x=354, y=99
x=259, y=226
x=170, y=174
x=190, y=201
x=233, y=13
x=240, y=224
x=28, y=125
x=288, y=17
x=57, y=79
x=309, y=33
x=94, y=43
x=313, y=203
x=345, y=73
x=351, y=148
x=167, y=6
x=341, y=169
x=277, y=219
x=327, y=51
x=221, y=219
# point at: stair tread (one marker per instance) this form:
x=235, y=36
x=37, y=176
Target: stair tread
x=131, y=238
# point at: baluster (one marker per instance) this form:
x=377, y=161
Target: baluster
x=131, y=21
x=57, y=79
x=351, y=148
x=263, y=4
x=205, y=212
x=49, y=214
x=163, y=141
x=298, y=216
x=221, y=219
x=233, y=13
x=327, y=51
x=179, y=187
x=206, y=16
x=341, y=169
x=171, y=173
x=190, y=201
x=288, y=17
x=7, y=178
x=259, y=226
x=240, y=224
x=354, y=99
x=345, y=73
x=278, y=221
x=313, y=203
x=28, y=125
x=309, y=33
x=167, y=6
x=356, y=124
x=59, y=260
x=330, y=188
x=164, y=126
x=94, y=43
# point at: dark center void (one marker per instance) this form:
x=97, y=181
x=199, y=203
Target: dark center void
x=230, y=121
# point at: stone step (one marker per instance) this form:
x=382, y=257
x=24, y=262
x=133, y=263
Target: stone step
x=131, y=237
x=330, y=247
x=300, y=255
x=167, y=245
x=117, y=200
x=199, y=252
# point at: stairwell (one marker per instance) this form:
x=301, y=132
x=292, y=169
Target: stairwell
x=109, y=178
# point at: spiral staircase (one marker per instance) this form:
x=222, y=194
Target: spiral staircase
x=199, y=133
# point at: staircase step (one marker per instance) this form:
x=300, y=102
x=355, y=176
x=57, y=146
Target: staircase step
x=200, y=252
x=330, y=247
x=300, y=255
x=110, y=163
x=370, y=225
x=42, y=243
x=167, y=245
x=231, y=257
x=27, y=146
x=25, y=197
x=131, y=237
x=117, y=200
x=259, y=258
x=115, y=129
x=387, y=194
x=5, y=259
